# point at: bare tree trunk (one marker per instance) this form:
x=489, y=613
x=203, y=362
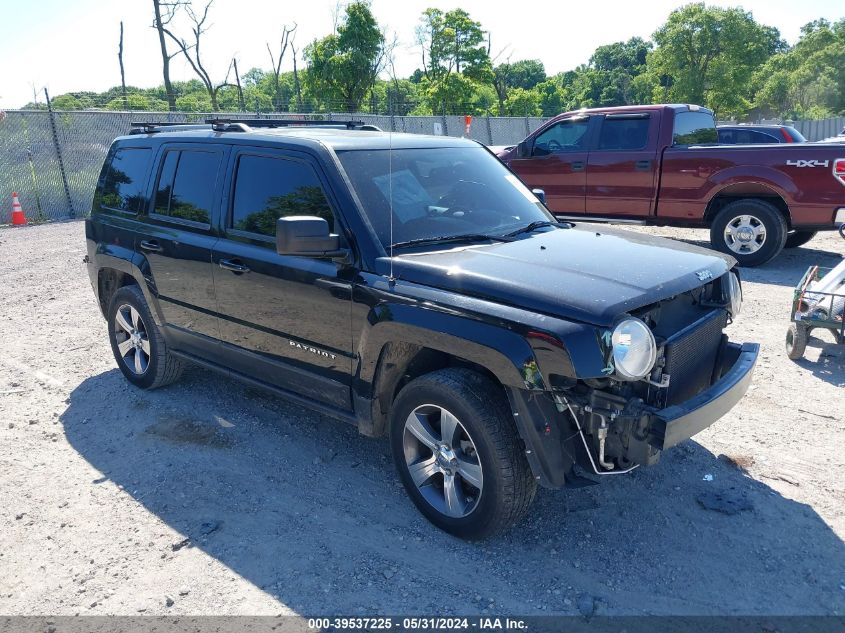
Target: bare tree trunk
x=122, y=73
x=241, y=104
x=296, y=87
x=165, y=57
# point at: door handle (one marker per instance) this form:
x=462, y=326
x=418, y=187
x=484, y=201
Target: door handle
x=642, y=165
x=151, y=245
x=234, y=266
x=577, y=165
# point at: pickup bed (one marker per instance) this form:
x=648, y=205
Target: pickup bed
x=661, y=164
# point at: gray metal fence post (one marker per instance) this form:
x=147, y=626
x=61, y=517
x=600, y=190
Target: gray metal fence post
x=72, y=213
x=445, y=123
x=489, y=131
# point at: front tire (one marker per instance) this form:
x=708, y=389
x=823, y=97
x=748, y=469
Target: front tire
x=138, y=346
x=752, y=231
x=458, y=454
x=797, y=238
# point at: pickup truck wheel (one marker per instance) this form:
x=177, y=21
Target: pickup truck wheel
x=794, y=239
x=752, y=231
x=458, y=454
x=139, y=349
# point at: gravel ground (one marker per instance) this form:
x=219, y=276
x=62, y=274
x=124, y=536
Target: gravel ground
x=209, y=497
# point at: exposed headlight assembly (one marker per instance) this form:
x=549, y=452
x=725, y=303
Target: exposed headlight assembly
x=634, y=349
x=734, y=294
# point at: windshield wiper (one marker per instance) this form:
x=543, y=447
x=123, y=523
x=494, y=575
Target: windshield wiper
x=444, y=239
x=537, y=225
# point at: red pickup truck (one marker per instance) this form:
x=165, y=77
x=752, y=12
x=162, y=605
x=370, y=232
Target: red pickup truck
x=661, y=164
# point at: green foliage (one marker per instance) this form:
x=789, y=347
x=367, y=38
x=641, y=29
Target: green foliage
x=708, y=55
x=452, y=42
x=344, y=65
x=718, y=57
x=807, y=81
x=137, y=101
x=522, y=102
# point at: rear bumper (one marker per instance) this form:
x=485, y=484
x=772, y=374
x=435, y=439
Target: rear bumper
x=677, y=423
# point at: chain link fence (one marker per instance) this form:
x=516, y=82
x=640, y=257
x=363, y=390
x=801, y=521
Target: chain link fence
x=52, y=159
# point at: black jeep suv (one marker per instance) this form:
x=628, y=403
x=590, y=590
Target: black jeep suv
x=414, y=287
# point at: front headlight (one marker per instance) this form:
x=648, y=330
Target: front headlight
x=734, y=294
x=634, y=349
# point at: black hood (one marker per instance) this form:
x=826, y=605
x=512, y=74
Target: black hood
x=589, y=274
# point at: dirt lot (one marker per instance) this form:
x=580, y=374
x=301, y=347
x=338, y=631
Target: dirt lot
x=209, y=497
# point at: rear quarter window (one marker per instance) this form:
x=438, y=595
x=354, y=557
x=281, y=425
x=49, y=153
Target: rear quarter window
x=694, y=128
x=122, y=185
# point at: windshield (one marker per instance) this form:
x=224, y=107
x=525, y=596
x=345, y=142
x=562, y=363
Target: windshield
x=439, y=192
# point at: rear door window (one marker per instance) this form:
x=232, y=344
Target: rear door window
x=185, y=189
x=694, y=128
x=269, y=187
x=124, y=179
x=624, y=132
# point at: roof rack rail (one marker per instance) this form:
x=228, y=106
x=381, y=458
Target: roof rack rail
x=151, y=127
x=349, y=125
x=245, y=125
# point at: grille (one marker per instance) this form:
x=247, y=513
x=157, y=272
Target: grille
x=691, y=356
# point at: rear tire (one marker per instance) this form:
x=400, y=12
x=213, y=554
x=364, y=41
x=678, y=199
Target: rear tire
x=750, y=230
x=797, y=238
x=473, y=482
x=796, y=341
x=138, y=346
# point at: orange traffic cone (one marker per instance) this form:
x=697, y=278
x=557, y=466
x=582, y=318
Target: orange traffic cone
x=18, y=218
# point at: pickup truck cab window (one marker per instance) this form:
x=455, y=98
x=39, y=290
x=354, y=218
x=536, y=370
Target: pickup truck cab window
x=569, y=135
x=124, y=180
x=271, y=187
x=694, y=128
x=182, y=192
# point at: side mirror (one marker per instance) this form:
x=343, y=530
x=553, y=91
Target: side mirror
x=541, y=195
x=523, y=150
x=307, y=236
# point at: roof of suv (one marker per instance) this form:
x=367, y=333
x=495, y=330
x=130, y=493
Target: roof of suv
x=312, y=137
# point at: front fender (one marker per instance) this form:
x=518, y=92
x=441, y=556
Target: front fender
x=505, y=353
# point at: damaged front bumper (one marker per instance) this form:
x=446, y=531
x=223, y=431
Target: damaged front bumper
x=607, y=435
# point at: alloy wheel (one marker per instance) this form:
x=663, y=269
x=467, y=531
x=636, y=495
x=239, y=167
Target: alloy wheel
x=132, y=340
x=745, y=234
x=442, y=460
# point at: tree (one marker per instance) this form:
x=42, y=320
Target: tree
x=198, y=29
x=453, y=42
x=525, y=74
x=345, y=64
x=630, y=56
x=809, y=79
x=276, y=66
x=160, y=20
x=522, y=102
x=708, y=55
x=120, y=60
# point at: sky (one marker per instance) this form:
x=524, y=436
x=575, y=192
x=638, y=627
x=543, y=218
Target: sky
x=69, y=45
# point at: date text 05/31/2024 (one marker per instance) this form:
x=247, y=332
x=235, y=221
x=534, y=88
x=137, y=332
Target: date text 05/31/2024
x=418, y=623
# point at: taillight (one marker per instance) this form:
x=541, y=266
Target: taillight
x=786, y=136
x=839, y=170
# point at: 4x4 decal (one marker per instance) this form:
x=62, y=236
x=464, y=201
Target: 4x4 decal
x=808, y=163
